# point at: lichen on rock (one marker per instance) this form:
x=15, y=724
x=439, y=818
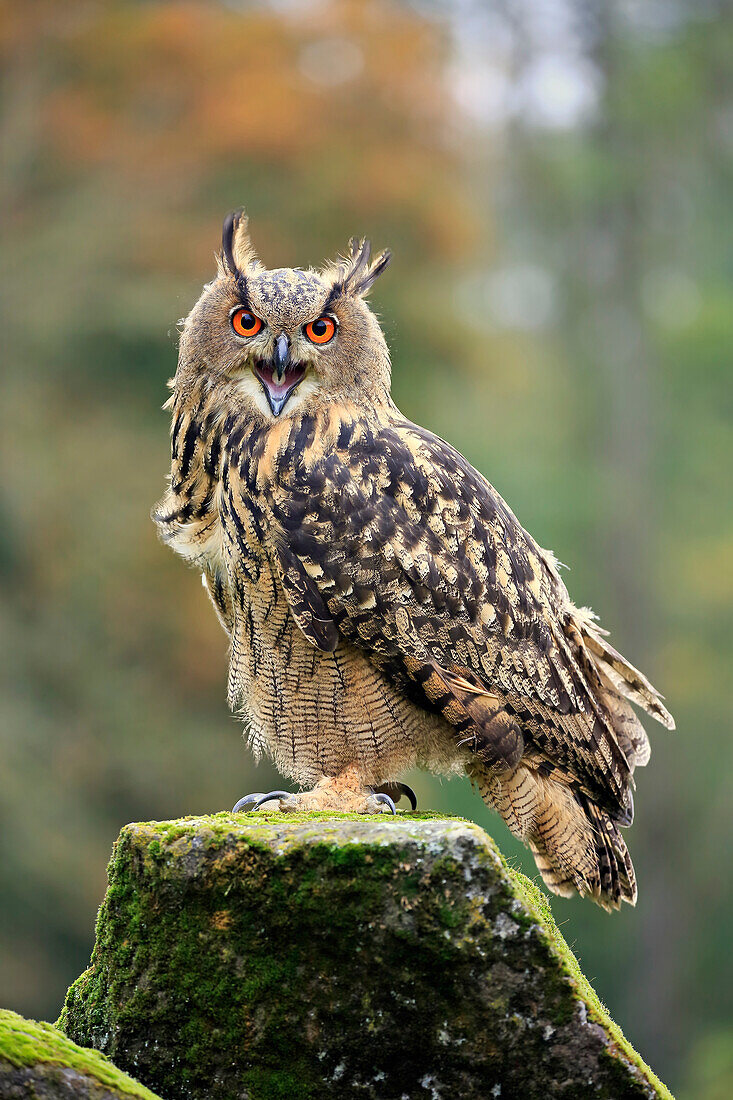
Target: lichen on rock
x=266, y=955
x=37, y=1062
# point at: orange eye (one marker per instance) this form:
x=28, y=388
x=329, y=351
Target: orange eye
x=322, y=330
x=245, y=323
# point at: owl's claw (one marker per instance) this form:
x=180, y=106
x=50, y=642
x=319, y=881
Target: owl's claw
x=409, y=795
x=395, y=791
x=273, y=796
x=252, y=802
x=243, y=802
x=381, y=799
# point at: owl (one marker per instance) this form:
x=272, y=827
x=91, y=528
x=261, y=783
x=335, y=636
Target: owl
x=385, y=608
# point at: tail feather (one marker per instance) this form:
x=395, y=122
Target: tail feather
x=577, y=846
x=558, y=881
x=615, y=869
x=632, y=737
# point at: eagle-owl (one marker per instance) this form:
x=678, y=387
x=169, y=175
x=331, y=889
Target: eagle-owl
x=384, y=606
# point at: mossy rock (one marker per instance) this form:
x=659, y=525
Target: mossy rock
x=268, y=956
x=37, y=1062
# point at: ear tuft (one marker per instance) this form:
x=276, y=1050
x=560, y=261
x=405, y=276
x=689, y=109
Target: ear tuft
x=354, y=272
x=237, y=252
x=376, y=269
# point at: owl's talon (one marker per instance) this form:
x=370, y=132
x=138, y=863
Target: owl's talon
x=395, y=791
x=271, y=797
x=382, y=800
x=409, y=795
x=240, y=805
x=403, y=789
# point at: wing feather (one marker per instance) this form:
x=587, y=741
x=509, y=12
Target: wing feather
x=396, y=543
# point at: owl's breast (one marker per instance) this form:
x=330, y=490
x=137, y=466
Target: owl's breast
x=314, y=712
x=317, y=713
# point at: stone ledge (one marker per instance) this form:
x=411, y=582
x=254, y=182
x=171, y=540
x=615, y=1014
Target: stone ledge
x=289, y=956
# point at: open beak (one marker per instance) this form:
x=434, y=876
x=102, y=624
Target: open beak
x=280, y=376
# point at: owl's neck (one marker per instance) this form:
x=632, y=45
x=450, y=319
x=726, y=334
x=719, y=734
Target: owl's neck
x=215, y=434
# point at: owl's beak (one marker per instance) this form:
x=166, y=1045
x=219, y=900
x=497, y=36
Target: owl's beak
x=281, y=358
x=279, y=377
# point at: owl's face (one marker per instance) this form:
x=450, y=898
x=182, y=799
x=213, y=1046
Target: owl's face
x=277, y=343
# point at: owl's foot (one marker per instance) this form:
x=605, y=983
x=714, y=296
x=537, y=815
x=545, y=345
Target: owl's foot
x=343, y=793
x=309, y=801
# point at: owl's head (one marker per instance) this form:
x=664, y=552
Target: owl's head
x=285, y=341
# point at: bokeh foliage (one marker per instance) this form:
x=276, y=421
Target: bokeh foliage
x=128, y=130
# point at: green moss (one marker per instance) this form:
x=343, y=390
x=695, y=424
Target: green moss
x=27, y=1042
x=277, y=1085
x=535, y=899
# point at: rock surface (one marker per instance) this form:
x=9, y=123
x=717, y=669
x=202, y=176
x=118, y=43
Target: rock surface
x=262, y=956
x=37, y=1062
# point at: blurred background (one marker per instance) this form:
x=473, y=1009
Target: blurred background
x=554, y=178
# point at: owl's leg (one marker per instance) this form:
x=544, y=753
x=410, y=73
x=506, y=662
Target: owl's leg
x=342, y=793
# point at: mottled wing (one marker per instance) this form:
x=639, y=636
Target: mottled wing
x=306, y=602
x=415, y=558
